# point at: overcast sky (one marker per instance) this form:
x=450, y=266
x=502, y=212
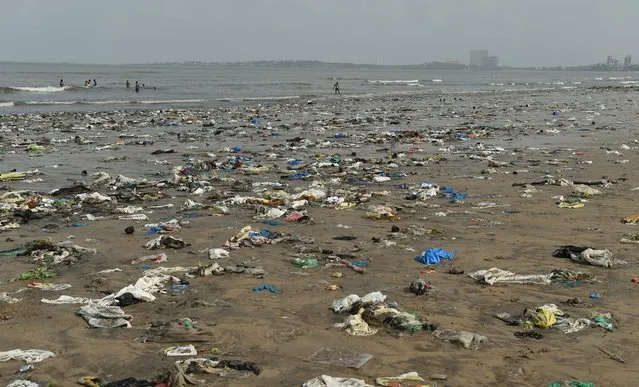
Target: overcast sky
x=520, y=32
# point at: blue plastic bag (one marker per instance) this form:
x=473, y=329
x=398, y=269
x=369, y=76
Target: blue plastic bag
x=452, y=194
x=434, y=256
x=269, y=287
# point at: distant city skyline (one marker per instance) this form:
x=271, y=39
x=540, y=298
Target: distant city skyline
x=539, y=33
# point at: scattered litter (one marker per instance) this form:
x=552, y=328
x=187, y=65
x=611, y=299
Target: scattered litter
x=333, y=357
x=26, y=355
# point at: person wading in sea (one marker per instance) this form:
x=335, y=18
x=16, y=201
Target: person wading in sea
x=336, y=88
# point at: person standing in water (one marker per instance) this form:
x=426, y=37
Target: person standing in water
x=128, y=84
x=137, y=87
x=95, y=84
x=336, y=88
x=61, y=82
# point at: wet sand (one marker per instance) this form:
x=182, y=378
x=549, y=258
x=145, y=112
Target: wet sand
x=279, y=332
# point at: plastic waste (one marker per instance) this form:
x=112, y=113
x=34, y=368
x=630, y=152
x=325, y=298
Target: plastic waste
x=409, y=377
x=334, y=357
x=218, y=253
x=572, y=383
x=5, y=297
x=26, y=355
x=332, y=381
x=346, y=304
x=23, y=383
x=186, y=350
x=66, y=300
x=305, y=263
x=495, y=275
x=135, y=292
x=98, y=316
x=355, y=325
x=271, y=288
x=157, y=258
x=583, y=254
x=468, y=340
x=434, y=256
x=382, y=213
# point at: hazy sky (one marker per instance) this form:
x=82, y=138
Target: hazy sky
x=520, y=32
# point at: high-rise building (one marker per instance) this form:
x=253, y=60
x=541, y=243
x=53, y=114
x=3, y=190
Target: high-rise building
x=477, y=57
x=610, y=61
x=490, y=62
x=627, y=61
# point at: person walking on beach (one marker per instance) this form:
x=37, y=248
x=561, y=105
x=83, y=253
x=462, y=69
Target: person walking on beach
x=137, y=87
x=336, y=88
x=61, y=82
x=128, y=84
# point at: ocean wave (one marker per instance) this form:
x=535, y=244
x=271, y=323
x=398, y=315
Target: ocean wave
x=42, y=89
x=280, y=98
x=160, y=102
x=628, y=82
x=6, y=104
x=394, y=82
x=436, y=80
x=25, y=103
x=151, y=102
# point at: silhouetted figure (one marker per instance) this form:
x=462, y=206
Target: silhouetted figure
x=137, y=87
x=128, y=84
x=61, y=82
x=94, y=83
x=336, y=88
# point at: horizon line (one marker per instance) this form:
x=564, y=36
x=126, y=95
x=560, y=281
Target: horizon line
x=290, y=61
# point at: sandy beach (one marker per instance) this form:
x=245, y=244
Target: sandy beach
x=327, y=165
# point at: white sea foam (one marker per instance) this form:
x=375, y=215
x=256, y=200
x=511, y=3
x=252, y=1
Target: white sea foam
x=436, y=80
x=398, y=82
x=43, y=89
x=280, y=98
x=159, y=102
x=6, y=104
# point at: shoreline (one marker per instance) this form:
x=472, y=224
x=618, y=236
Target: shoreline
x=369, y=152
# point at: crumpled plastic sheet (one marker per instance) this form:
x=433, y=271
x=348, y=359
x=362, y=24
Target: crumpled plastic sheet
x=495, y=275
x=434, y=256
x=5, y=297
x=468, y=340
x=331, y=381
x=178, y=376
x=572, y=325
x=356, y=326
x=157, y=258
x=26, y=355
x=136, y=292
x=62, y=300
x=345, y=304
x=23, y=383
x=218, y=253
x=397, y=380
x=50, y=287
x=93, y=197
x=548, y=316
x=99, y=316
x=603, y=258
x=153, y=284
x=269, y=213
